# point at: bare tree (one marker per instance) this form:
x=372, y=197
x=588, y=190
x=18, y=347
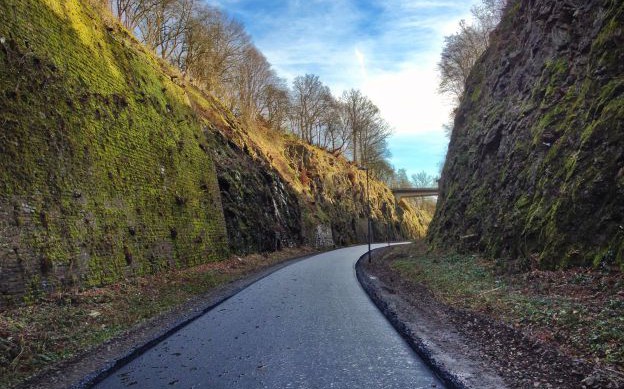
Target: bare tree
x=252, y=76
x=276, y=103
x=363, y=120
x=198, y=40
x=131, y=12
x=459, y=55
x=424, y=180
x=336, y=135
x=316, y=115
x=163, y=29
x=221, y=46
x=384, y=172
x=373, y=141
x=462, y=49
x=401, y=179
x=309, y=102
x=488, y=14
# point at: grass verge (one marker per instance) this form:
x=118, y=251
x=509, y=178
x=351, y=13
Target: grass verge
x=579, y=310
x=59, y=326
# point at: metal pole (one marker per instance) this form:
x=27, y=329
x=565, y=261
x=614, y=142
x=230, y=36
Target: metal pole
x=369, y=216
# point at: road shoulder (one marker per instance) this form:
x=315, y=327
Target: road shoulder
x=459, y=327
x=427, y=330
x=95, y=364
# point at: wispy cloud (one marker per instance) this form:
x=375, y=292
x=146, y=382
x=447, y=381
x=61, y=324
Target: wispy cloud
x=388, y=49
x=362, y=61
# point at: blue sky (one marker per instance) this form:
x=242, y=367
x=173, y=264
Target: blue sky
x=387, y=49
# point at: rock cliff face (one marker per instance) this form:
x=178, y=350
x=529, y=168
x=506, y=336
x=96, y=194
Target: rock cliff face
x=535, y=167
x=278, y=191
x=112, y=165
x=261, y=211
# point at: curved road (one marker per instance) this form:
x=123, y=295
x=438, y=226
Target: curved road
x=308, y=325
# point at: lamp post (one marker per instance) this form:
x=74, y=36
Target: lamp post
x=368, y=213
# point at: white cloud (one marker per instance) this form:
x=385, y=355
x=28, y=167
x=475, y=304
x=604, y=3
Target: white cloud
x=407, y=91
x=362, y=62
x=408, y=97
x=387, y=48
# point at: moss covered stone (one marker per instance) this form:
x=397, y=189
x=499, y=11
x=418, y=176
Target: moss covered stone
x=103, y=174
x=113, y=166
x=539, y=179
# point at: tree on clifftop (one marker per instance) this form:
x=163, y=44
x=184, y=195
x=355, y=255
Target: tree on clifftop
x=310, y=100
x=462, y=49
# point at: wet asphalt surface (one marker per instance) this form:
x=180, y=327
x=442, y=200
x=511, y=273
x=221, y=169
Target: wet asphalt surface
x=308, y=325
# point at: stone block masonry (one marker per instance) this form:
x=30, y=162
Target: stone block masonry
x=96, y=233
x=105, y=170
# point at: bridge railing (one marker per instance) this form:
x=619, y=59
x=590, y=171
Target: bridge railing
x=415, y=192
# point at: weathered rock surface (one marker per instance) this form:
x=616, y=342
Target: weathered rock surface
x=535, y=167
x=291, y=193
x=112, y=165
x=261, y=212
x=104, y=169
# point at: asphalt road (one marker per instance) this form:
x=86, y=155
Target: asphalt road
x=308, y=325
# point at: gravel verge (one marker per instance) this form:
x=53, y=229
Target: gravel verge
x=468, y=349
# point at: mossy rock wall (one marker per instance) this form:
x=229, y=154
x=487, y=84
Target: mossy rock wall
x=262, y=212
x=334, y=196
x=535, y=167
x=113, y=165
x=105, y=167
x=278, y=191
